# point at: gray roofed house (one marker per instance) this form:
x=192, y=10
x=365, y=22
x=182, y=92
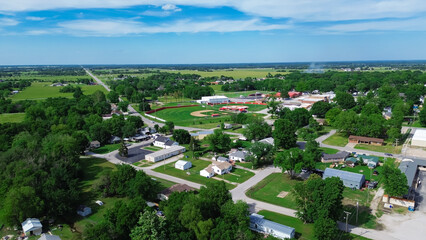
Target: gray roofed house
x=268, y=140
x=238, y=155
x=350, y=179
x=32, y=226
x=259, y=224
x=45, y=236
x=164, y=142
x=222, y=159
x=409, y=167
x=338, y=157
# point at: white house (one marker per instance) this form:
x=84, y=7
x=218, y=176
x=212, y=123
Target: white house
x=164, y=142
x=220, y=159
x=239, y=156
x=45, y=236
x=227, y=126
x=183, y=165
x=213, y=100
x=32, y=226
x=207, y=172
x=222, y=168
x=268, y=140
x=261, y=225
x=165, y=153
x=84, y=210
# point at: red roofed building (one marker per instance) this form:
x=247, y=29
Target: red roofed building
x=294, y=94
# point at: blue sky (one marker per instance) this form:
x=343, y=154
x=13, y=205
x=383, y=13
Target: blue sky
x=203, y=31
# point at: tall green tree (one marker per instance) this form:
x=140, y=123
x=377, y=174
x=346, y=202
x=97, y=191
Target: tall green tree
x=284, y=134
x=219, y=142
x=150, y=227
x=320, y=108
x=345, y=100
x=261, y=154
x=292, y=160
x=257, y=129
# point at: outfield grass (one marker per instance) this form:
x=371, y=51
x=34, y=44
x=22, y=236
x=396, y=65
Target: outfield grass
x=43, y=90
x=388, y=148
x=238, y=175
x=268, y=189
x=107, y=148
x=194, y=176
x=12, y=117
x=337, y=139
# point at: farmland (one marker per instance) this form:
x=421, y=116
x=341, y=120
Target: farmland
x=43, y=90
x=12, y=117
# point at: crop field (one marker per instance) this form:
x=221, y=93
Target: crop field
x=44, y=78
x=43, y=90
x=12, y=117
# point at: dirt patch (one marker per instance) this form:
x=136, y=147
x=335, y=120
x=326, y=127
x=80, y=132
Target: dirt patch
x=200, y=113
x=282, y=194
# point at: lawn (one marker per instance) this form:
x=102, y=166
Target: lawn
x=268, y=189
x=303, y=231
x=43, y=90
x=238, y=175
x=12, y=117
x=245, y=164
x=194, y=171
x=329, y=150
x=107, y=148
x=387, y=148
x=153, y=148
x=337, y=139
x=94, y=168
x=164, y=183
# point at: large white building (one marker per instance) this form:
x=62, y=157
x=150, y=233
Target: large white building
x=259, y=224
x=164, y=153
x=213, y=100
x=419, y=138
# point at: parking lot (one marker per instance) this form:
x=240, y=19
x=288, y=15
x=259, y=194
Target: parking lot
x=135, y=154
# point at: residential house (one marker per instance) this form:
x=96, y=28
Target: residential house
x=114, y=139
x=207, y=172
x=371, y=161
x=45, y=236
x=32, y=226
x=351, y=161
x=222, y=168
x=164, y=142
x=261, y=225
x=334, y=158
x=268, y=140
x=239, y=156
x=350, y=179
x=95, y=144
x=366, y=140
x=227, y=126
x=165, y=153
x=183, y=165
x=84, y=210
x=221, y=159
x=164, y=195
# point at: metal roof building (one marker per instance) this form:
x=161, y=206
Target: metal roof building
x=409, y=168
x=350, y=179
x=419, y=138
x=164, y=153
x=259, y=224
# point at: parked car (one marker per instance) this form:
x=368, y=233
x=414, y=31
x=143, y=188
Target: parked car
x=388, y=154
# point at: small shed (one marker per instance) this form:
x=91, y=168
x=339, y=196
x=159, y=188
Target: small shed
x=32, y=226
x=95, y=144
x=371, y=161
x=84, y=210
x=183, y=165
x=207, y=172
x=350, y=179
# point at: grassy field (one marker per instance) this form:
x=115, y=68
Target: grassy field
x=388, y=148
x=337, y=139
x=329, y=150
x=152, y=148
x=238, y=175
x=245, y=164
x=107, y=148
x=43, y=90
x=12, y=117
x=235, y=73
x=45, y=78
x=268, y=189
x=194, y=176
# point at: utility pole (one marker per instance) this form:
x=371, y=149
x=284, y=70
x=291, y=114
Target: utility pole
x=347, y=219
x=357, y=212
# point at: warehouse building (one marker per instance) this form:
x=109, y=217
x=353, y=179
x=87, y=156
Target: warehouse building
x=213, y=100
x=261, y=225
x=419, y=138
x=350, y=179
x=165, y=153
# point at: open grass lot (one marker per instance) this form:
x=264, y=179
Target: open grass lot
x=303, y=231
x=245, y=164
x=153, y=148
x=388, y=148
x=194, y=176
x=329, y=150
x=12, y=117
x=337, y=139
x=268, y=189
x=43, y=90
x=238, y=175
x=172, y=104
x=107, y=148
x=44, y=78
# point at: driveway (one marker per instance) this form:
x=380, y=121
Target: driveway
x=135, y=154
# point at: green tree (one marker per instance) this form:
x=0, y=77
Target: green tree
x=273, y=107
x=422, y=116
x=320, y=108
x=370, y=108
x=182, y=136
x=292, y=161
x=394, y=181
x=219, y=142
x=261, y=154
x=284, y=134
x=113, y=97
x=144, y=106
x=257, y=129
x=123, y=151
x=325, y=229
x=346, y=122
x=331, y=115
x=345, y=100
x=170, y=126
x=150, y=227
x=123, y=106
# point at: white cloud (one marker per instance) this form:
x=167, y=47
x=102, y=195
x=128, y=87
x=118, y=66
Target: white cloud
x=35, y=18
x=302, y=10
x=4, y=22
x=170, y=7
x=113, y=28
x=415, y=24
x=156, y=13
